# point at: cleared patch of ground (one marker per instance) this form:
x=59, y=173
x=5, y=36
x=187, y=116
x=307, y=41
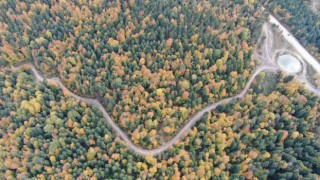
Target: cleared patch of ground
x=267, y=82
x=281, y=45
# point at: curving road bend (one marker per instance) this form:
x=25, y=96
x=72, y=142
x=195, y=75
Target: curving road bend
x=122, y=134
x=186, y=128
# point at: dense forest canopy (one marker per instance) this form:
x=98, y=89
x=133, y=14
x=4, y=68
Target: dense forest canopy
x=151, y=63
x=268, y=134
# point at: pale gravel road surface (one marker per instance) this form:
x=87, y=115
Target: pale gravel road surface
x=123, y=135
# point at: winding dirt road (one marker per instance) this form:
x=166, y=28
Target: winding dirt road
x=268, y=65
x=122, y=134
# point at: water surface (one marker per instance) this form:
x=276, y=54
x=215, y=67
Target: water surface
x=289, y=63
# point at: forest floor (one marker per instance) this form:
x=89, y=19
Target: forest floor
x=267, y=64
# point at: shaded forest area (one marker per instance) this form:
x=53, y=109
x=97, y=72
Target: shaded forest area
x=151, y=63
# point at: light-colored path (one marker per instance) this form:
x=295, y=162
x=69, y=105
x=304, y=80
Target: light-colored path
x=123, y=135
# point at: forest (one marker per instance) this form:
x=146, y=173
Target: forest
x=301, y=20
x=268, y=134
x=152, y=64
